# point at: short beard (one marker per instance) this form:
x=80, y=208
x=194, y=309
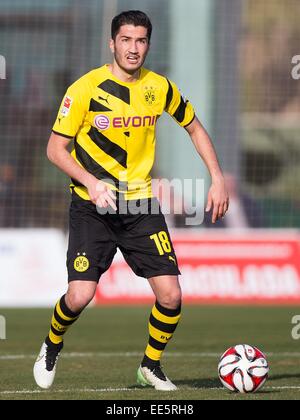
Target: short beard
x=128, y=71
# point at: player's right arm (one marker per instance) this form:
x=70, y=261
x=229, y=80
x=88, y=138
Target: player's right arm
x=58, y=154
x=70, y=117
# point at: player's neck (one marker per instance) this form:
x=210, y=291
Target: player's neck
x=122, y=75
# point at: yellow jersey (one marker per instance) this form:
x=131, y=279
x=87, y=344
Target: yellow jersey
x=113, y=125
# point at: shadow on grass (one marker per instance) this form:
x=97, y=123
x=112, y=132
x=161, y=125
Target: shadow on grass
x=193, y=383
x=284, y=376
x=210, y=384
x=214, y=384
x=200, y=383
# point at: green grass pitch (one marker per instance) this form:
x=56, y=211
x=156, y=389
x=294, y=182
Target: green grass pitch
x=103, y=350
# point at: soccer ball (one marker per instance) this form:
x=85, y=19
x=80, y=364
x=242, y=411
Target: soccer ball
x=243, y=368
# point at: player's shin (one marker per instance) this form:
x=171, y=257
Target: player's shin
x=62, y=320
x=162, y=325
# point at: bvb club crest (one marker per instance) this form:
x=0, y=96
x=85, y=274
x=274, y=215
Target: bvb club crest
x=150, y=95
x=81, y=263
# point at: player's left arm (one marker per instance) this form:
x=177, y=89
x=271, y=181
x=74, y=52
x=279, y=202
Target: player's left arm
x=218, y=198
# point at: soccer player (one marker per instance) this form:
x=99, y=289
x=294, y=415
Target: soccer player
x=111, y=114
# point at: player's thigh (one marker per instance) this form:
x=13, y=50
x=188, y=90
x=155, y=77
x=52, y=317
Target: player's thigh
x=92, y=244
x=147, y=246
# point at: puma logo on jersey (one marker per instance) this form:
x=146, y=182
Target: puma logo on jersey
x=104, y=99
x=172, y=259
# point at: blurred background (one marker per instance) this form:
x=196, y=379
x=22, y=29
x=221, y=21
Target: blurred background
x=232, y=58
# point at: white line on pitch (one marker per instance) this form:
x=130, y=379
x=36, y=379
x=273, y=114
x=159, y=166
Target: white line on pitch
x=105, y=354
x=107, y=390
x=135, y=354
x=68, y=391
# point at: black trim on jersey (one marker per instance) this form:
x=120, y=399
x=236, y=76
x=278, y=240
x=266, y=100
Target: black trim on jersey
x=169, y=94
x=191, y=121
x=110, y=148
x=63, y=135
x=119, y=91
x=97, y=107
x=76, y=183
x=97, y=170
x=180, y=111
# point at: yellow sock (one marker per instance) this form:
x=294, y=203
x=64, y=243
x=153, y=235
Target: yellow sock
x=162, y=325
x=61, y=321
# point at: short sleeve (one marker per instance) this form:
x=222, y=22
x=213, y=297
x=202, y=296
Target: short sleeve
x=178, y=106
x=72, y=111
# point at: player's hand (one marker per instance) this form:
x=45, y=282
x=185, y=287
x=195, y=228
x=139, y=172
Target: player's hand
x=218, y=200
x=101, y=195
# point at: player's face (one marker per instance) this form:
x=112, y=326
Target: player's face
x=130, y=48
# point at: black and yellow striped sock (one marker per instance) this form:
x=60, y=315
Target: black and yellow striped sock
x=62, y=319
x=162, y=325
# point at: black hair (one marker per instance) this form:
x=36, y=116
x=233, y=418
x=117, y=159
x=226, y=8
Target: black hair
x=131, y=17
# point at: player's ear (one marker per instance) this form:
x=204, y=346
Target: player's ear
x=112, y=45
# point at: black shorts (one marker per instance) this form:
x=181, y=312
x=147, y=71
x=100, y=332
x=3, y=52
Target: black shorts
x=142, y=238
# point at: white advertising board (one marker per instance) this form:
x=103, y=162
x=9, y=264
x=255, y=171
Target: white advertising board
x=32, y=267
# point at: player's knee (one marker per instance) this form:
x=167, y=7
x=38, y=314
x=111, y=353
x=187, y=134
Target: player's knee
x=77, y=300
x=172, y=299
